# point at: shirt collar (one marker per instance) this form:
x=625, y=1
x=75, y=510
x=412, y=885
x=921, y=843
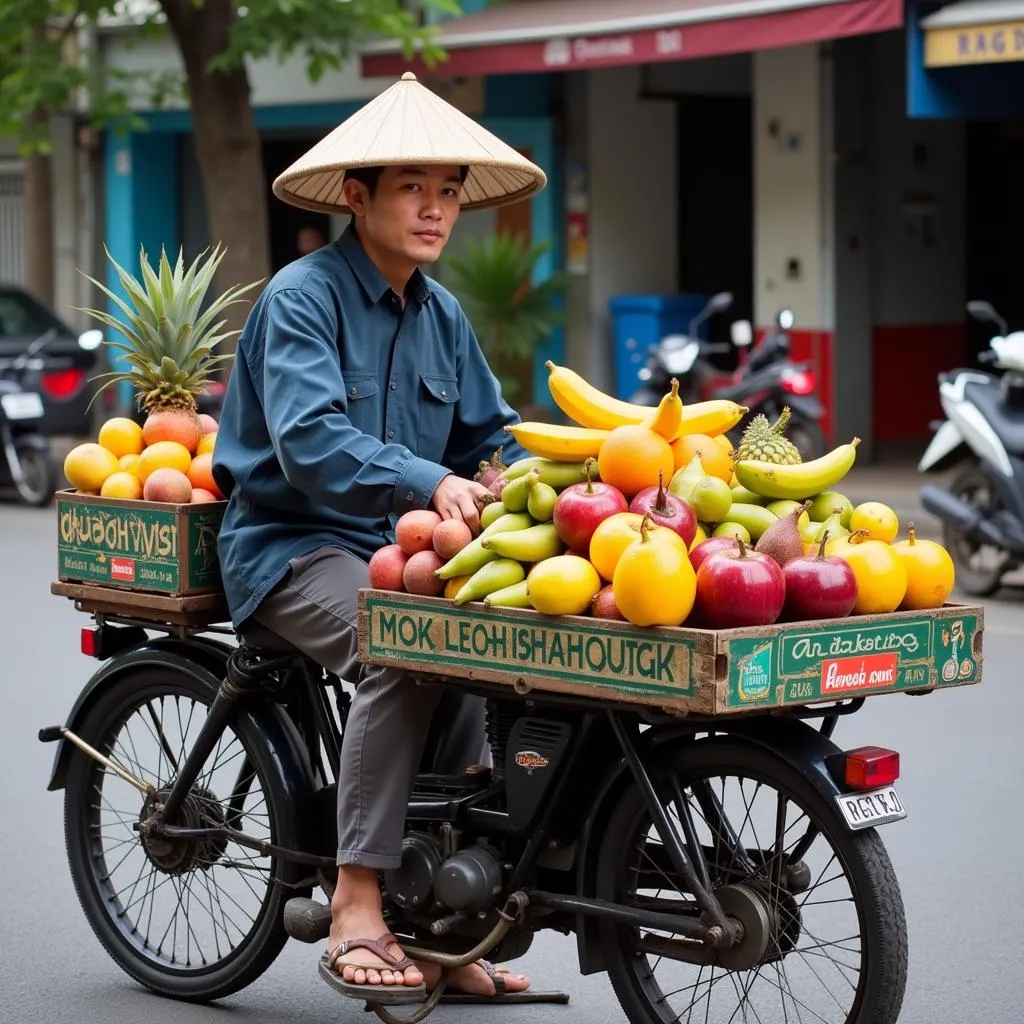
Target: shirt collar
x=370, y=277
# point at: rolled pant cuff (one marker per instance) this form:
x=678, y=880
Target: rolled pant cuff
x=361, y=859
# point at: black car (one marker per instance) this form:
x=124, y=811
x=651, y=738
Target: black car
x=62, y=365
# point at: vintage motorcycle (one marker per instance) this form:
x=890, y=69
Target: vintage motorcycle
x=713, y=868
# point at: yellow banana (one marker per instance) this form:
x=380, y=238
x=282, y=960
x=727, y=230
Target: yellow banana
x=669, y=414
x=711, y=418
x=556, y=442
x=588, y=406
x=803, y=480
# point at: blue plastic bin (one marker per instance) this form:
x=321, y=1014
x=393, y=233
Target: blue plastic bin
x=641, y=321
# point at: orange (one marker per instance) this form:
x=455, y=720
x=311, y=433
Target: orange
x=632, y=457
x=713, y=456
x=163, y=455
x=200, y=474
x=88, y=465
x=122, y=485
x=121, y=436
x=207, y=443
x=130, y=464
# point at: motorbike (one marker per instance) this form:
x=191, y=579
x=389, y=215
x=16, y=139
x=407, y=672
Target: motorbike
x=765, y=379
x=198, y=770
x=28, y=462
x=982, y=510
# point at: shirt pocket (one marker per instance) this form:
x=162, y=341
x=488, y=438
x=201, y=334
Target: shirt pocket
x=437, y=411
x=361, y=390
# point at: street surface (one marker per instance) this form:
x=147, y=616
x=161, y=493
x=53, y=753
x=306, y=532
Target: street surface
x=956, y=855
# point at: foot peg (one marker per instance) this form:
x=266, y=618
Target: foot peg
x=307, y=920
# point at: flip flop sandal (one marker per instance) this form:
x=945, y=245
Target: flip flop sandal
x=501, y=996
x=331, y=966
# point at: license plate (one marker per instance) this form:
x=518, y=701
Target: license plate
x=26, y=405
x=874, y=807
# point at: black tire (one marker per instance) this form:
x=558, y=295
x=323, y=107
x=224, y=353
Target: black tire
x=875, y=894
x=93, y=875
x=808, y=438
x=974, y=486
x=40, y=476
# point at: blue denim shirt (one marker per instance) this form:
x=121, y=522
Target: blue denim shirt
x=344, y=410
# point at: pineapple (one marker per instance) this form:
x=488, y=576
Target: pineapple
x=169, y=340
x=767, y=442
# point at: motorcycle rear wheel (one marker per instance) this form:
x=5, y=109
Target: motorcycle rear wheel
x=40, y=476
x=974, y=487
x=215, y=946
x=650, y=981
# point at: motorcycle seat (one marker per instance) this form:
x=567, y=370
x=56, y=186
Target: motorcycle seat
x=1007, y=423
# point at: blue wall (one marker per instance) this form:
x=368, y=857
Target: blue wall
x=978, y=92
x=142, y=178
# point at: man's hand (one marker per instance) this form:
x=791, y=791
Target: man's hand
x=456, y=498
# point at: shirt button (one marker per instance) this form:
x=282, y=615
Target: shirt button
x=353, y=392
x=391, y=433
x=394, y=386
x=410, y=496
x=444, y=393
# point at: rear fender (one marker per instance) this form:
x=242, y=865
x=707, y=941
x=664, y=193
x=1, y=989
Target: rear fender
x=800, y=745
x=205, y=661
x=947, y=440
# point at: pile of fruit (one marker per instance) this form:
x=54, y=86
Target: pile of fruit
x=654, y=517
x=169, y=338
x=169, y=458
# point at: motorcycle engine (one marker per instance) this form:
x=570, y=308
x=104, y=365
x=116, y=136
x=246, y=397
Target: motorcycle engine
x=466, y=882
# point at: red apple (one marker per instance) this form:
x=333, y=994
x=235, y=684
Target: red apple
x=581, y=508
x=604, y=607
x=706, y=548
x=666, y=510
x=818, y=587
x=741, y=587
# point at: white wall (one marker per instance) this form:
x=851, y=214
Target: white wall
x=633, y=209
x=273, y=83
x=792, y=189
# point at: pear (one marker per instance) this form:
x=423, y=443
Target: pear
x=781, y=541
x=834, y=526
x=682, y=482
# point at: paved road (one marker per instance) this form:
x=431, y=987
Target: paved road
x=956, y=855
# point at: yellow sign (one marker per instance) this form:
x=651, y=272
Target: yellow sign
x=974, y=44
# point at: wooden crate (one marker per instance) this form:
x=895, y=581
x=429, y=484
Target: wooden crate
x=192, y=610
x=145, y=546
x=711, y=672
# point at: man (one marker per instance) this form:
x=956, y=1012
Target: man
x=360, y=392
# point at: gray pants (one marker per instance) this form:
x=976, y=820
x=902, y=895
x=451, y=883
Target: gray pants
x=314, y=609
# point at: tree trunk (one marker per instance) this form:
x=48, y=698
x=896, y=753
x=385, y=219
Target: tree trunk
x=39, y=273
x=228, y=149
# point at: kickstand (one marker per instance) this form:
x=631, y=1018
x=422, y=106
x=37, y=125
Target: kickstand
x=421, y=1013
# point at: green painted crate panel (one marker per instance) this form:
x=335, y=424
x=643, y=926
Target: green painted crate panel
x=686, y=670
x=138, y=545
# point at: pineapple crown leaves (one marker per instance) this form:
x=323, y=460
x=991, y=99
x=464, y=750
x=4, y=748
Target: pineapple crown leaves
x=167, y=340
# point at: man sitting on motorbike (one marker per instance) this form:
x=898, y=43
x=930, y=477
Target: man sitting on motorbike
x=360, y=392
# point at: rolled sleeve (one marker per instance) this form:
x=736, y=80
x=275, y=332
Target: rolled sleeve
x=320, y=451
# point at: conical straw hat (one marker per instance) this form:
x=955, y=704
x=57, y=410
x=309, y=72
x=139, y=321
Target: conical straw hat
x=407, y=124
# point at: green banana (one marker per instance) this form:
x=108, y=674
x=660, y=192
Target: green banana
x=803, y=480
x=515, y=596
x=492, y=512
x=558, y=475
x=741, y=494
x=755, y=519
x=541, y=503
x=508, y=522
x=497, y=575
x=516, y=493
x=532, y=545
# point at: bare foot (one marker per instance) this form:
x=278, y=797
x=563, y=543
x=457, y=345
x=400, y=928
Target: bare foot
x=475, y=981
x=361, y=966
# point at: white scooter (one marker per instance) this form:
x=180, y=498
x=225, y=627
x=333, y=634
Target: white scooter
x=982, y=511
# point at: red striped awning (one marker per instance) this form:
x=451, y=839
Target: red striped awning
x=569, y=35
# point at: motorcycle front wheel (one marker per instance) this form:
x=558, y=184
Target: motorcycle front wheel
x=39, y=476
x=980, y=567
x=195, y=919
x=825, y=936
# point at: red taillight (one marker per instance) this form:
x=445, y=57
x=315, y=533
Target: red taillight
x=62, y=384
x=90, y=642
x=798, y=382
x=871, y=767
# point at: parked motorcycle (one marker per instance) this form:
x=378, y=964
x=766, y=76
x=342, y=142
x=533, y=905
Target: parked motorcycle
x=28, y=462
x=765, y=379
x=199, y=811
x=982, y=511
